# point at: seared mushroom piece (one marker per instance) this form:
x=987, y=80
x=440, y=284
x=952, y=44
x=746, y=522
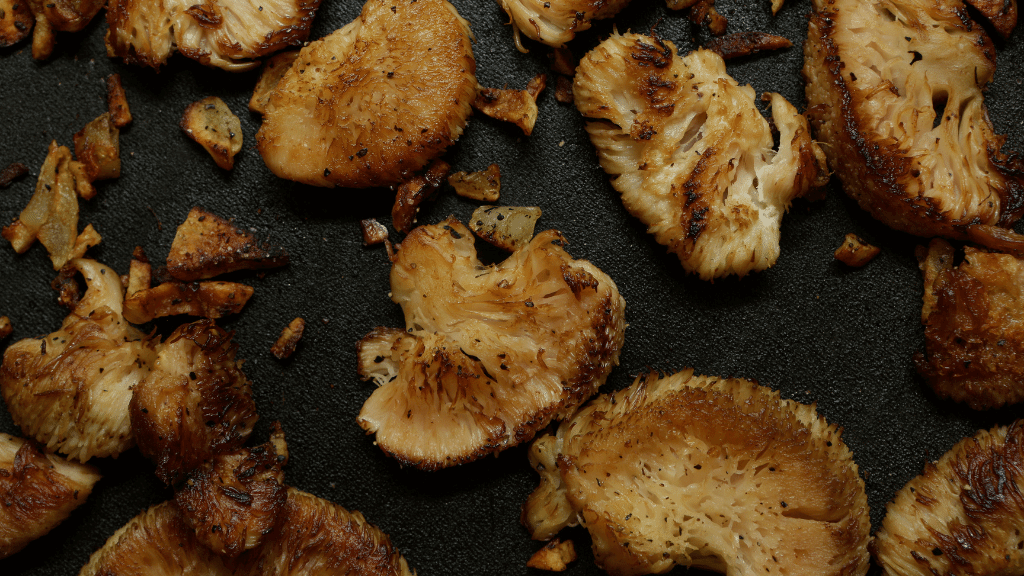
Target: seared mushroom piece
x=12, y=172
x=273, y=70
x=414, y=192
x=972, y=316
x=516, y=106
x=117, y=102
x=555, y=22
x=206, y=245
x=15, y=22
x=489, y=354
x=234, y=500
x=746, y=43
x=374, y=102
x=5, y=327
x=895, y=91
x=38, y=492
x=70, y=389
x=58, y=15
x=507, y=227
x=216, y=128
x=194, y=404
x=555, y=556
x=211, y=299
x=704, y=472
x=228, y=34
x=285, y=345
x=691, y=154
x=98, y=149
x=963, y=514
x=855, y=252
x=484, y=185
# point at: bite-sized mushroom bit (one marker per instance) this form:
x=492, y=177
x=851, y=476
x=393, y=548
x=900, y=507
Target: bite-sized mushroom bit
x=228, y=34
x=15, y=22
x=206, y=245
x=38, y=492
x=195, y=403
x=746, y=43
x=97, y=148
x=234, y=500
x=484, y=185
x=315, y=537
x=5, y=327
x=555, y=22
x=70, y=389
x=855, y=252
x=216, y=128
x=555, y=556
x=117, y=102
x=894, y=91
x=703, y=13
x=507, y=227
x=374, y=102
x=57, y=15
x=691, y=154
x=516, y=106
x=973, y=315
x=963, y=515
x=414, y=192
x=489, y=354
x=720, y=474
x=12, y=172
x=289, y=339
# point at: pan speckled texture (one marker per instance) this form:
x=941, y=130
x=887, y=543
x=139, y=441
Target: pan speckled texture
x=809, y=327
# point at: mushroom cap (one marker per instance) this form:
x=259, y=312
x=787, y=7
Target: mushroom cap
x=895, y=90
x=963, y=514
x=373, y=102
x=973, y=318
x=490, y=354
x=38, y=491
x=691, y=154
x=706, y=472
x=555, y=22
x=70, y=390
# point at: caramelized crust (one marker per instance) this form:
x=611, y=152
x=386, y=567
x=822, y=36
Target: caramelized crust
x=206, y=245
x=70, y=389
x=963, y=515
x=15, y=22
x=698, y=471
x=37, y=492
x=555, y=22
x=211, y=299
x=374, y=102
x=491, y=354
x=974, y=326
x=195, y=403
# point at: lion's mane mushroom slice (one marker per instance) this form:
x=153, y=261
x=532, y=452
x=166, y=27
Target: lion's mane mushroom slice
x=228, y=34
x=894, y=90
x=963, y=514
x=973, y=318
x=214, y=127
x=705, y=472
x=70, y=389
x=38, y=492
x=234, y=500
x=195, y=403
x=315, y=537
x=490, y=354
x=157, y=542
x=373, y=102
x=555, y=22
x=206, y=245
x=691, y=154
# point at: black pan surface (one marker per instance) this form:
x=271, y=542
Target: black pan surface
x=809, y=327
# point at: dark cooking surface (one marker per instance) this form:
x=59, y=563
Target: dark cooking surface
x=809, y=327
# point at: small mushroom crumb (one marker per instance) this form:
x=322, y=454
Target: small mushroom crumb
x=212, y=124
x=484, y=186
x=274, y=69
x=373, y=232
x=856, y=252
x=555, y=556
x=5, y=327
x=411, y=194
x=117, y=102
x=289, y=338
x=12, y=172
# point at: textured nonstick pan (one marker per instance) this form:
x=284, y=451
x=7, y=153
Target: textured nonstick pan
x=809, y=327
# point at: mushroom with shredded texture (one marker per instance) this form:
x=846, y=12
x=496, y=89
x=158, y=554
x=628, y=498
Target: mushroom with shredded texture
x=38, y=492
x=70, y=389
x=194, y=404
x=228, y=34
x=718, y=474
x=484, y=185
x=374, y=102
x=691, y=154
x=489, y=354
x=855, y=252
x=216, y=128
x=895, y=93
x=555, y=22
x=973, y=318
x=963, y=514
x=206, y=245
x=507, y=227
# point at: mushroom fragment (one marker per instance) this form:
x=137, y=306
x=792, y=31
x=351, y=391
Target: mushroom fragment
x=973, y=316
x=746, y=43
x=58, y=15
x=70, y=389
x=484, y=185
x=507, y=227
x=204, y=299
x=962, y=515
x=12, y=172
x=516, y=106
x=416, y=191
x=15, y=22
x=285, y=345
x=97, y=148
x=490, y=354
x=374, y=102
x=555, y=22
x=895, y=92
x=38, y=492
x=555, y=556
x=373, y=232
x=5, y=327
x=206, y=245
x=718, y=474
x=117, y=102
x=216, y=128
x=855, y=252
x=194, y=404
x=692, y=155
